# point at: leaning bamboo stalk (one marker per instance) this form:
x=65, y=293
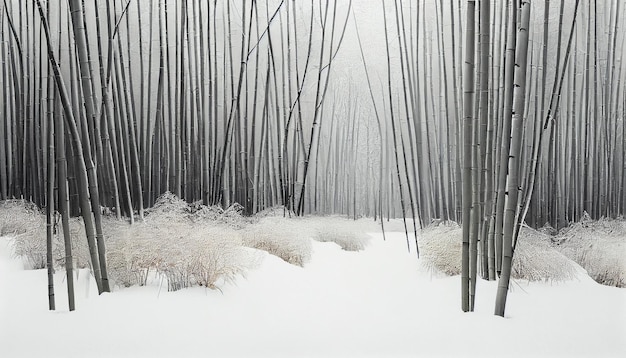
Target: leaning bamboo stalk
x=512, y=183
x=81, y=45
x=126, y=100
x=78, y=149
x=552, y=108
x=393, y=130
x=61, y=161
x=105, y=117
x=404, y=53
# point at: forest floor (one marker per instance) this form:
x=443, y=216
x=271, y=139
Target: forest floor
x=377, y=302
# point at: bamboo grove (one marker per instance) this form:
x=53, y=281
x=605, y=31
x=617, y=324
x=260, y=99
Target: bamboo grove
x=493, y=114
x=223, y=111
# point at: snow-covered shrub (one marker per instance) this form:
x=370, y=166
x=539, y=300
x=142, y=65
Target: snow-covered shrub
x=217, y=255
x=280, y=237
x=131, y=252
x=31, y=247
x=27, y=224
x=186, y=254
x=274, y=211
x=80, y=249
x=201, y=255
x=203, y=213
x=233, y=217
x=534, y=258
x=344, y=232
x=440, y=248
x=599, y=247
x=20, y=217
x=168, y=207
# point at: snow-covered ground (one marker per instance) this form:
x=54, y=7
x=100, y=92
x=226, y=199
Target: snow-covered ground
x=380, y=302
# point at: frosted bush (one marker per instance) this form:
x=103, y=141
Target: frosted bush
x=206, y=213
x=202, y=256
x=279, y=237
x=130, y=253
x=233, y=217
x=20, y=217
x=217, y=256
x=186, y=254
x=599, y=247
x=27, y=224
x=348, y=234
x=168, y=207
x=534, y=258
x=274, y=211
x=440, y=248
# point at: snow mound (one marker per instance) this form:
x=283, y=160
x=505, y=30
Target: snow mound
x=280, y=237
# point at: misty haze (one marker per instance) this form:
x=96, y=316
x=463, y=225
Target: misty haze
x=312, y=178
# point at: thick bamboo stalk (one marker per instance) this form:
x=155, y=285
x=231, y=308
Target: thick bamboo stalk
x=506, y=130
x=512, y=181
x=94, y=194
x=468, y=112
x=81, y=159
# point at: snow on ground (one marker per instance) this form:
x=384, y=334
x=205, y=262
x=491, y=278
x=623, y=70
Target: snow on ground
x=380, y=302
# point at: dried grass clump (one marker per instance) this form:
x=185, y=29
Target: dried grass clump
x=20, y=217
x=185, y=251
x=233, y=217
x=599, y=247
x=202, y=212
x=279, y=237
x=348, y=234
x=440, y=248
x=186, y=254
x=536, y=260
x=168, y=207
x=132, y=252
x=274, y=211
x=31, y=247
x=80, y=250
x=27, y=224
x=218, y=257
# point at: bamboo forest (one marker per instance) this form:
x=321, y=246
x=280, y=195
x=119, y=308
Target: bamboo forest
x=412, y=159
